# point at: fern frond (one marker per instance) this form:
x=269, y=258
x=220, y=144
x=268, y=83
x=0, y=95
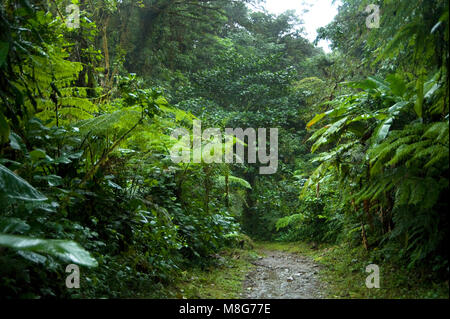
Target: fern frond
x=288, y=221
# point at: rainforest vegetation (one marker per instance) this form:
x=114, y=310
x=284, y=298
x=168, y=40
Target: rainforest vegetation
x=90, y=91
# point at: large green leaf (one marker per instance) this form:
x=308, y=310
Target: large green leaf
x=327, y=135
x=383, y=130
x=17, y=143
x=316, y=119
x=371, y=83
x=397, y=107
x=15, y=187
x=65, y=249
x=13, y=225
x=37, y=154
x=397, y=84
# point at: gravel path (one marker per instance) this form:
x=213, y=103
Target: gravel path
x=282, y=275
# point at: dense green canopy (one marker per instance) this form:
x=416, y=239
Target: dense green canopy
x=88, y=105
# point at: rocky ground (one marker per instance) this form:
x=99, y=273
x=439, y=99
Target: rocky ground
x=283, y=275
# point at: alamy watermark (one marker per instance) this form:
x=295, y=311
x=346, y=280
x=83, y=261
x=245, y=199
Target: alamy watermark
x=210, y=146
x=373, y=280
x=373, y=19
x=73, y=16
x=73, y=280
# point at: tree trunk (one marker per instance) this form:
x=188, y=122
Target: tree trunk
x=106, y=52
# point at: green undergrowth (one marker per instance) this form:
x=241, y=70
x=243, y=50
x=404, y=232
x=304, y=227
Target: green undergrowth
x=223, y=279
x=344, y=273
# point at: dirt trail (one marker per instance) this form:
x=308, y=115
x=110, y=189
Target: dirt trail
x=283, y=275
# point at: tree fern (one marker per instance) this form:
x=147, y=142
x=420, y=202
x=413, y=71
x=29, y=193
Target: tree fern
x=291, y=220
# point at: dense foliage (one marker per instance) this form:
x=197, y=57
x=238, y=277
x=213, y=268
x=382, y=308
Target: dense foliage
x=87, y=111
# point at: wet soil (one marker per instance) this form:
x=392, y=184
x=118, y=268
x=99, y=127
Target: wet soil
x=283, y=275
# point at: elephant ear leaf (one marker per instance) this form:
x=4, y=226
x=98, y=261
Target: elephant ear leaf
x=16, y=188
x=64, y=249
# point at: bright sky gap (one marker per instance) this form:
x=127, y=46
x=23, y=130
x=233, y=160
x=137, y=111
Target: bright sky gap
x=314, y=13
